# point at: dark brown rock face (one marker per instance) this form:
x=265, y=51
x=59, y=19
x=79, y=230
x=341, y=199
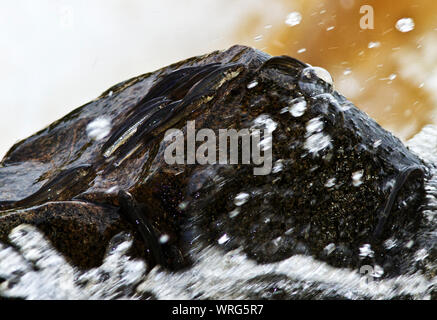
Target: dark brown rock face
x=338, y=180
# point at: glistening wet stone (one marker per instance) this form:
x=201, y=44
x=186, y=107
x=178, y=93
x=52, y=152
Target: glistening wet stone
x=81, y=187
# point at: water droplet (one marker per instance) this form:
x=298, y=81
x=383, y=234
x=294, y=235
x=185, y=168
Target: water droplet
x=310, y=84
x=409, y=244
x=317, y=142
x=421, y=254
x=284, y=110
x=323, y=74
x=293, y=19
x=258, y=37
x=241, y=198
x=99, y=128
x=224, y=238
x=183, y=205
x=356, y=178
x=234, y=213
x=314, y=125
x=264, y=121
x=297, y=107
x=330, y=183
x=252, y=84
x=301, y=50
x=329, y=249
x=164, y=238
x=377, y=143
x=390, y=243
x=374, y=44
x=405, y=24
x=330, y=28
x=366, y=251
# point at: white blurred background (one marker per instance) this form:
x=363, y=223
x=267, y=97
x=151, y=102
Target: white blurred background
x=57, y=55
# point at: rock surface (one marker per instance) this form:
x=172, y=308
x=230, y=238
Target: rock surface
x=340, y=185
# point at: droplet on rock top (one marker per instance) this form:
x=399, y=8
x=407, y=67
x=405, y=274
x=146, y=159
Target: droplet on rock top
x=310, y=84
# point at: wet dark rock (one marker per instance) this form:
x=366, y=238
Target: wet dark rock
x=339, y=180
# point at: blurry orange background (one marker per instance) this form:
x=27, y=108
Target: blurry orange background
x=392, y=75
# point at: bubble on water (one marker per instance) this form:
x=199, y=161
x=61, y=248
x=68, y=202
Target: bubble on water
x=374, y=44
x=252, y=84
x=99, y=128
x=297, y=107
x=293, y=19
x=330, y=183
x=241, y=198
x=366, y=251
x=405, y=24
x=223, y=239
x=356, y=178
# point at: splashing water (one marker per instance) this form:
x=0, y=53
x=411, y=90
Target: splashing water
x=33, y=269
